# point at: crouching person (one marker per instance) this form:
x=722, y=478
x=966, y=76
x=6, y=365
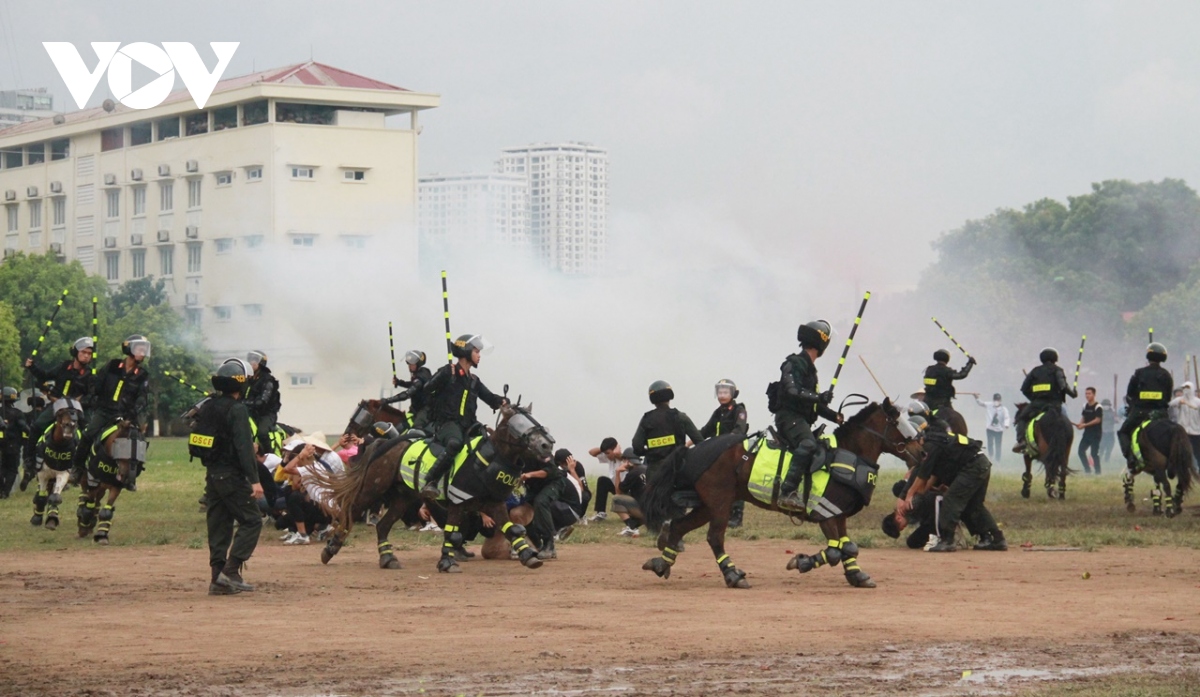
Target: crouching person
x=221, y=439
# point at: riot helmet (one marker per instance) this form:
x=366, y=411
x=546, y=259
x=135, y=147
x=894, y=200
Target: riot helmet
x=256, y=359
x=661, y=392
x=1048, y=355
x=941, y=356
x=465, y=344
x=728, y=387
x=136, y=346
x=918, y=408
x=10, y=395
x=231, y=376
x=383, y=429
x=815, y=334
x=84, y=343
x=415, y=358
x=1156, y=352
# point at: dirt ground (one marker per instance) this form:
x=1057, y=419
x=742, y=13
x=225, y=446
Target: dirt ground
x=138, y=621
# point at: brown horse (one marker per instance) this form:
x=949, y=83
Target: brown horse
x=953, y=419
x=491, y=470
x=370, y=411
x=54, y=451
x=874, y=430
x=114, y=464
x=1053, y=434
x=1166, y=452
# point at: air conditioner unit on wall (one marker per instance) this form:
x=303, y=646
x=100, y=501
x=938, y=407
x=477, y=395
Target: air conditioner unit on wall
x=164, y=170
x=193, y=166
x=110, y=179
x=192, y=299
x=10, y=253
x=110, y=242
x=56, y=187
x=10, y=195
x=164, y=235
x=192, y=232
x=31, y=191
x=135, y=240
x=56, y=248
x=136, y=174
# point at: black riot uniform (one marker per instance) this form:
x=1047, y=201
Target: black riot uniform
x=262, y=401
x=116, y=393
x=414, y=390
x=957, y=462
x=800, y=403
x=1149, y=391
x=1046, y=387
x=662, y=430
x=221, y=439
x=14, y=433
x=939, y=380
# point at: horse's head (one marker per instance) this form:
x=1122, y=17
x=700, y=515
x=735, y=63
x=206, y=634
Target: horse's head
x=519, y=436
x=66, y=418
x=127, y=447
x=883, y=423
x=368, y=412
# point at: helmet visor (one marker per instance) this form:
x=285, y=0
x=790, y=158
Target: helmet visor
x=254, y=358
x=907, y=428
x=140, y=348
x=414, y=358
x=723, y=392
x=480, y=344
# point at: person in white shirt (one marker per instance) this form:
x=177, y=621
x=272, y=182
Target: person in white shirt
x=1187, y=414
x=609, y=455
x=998, y=422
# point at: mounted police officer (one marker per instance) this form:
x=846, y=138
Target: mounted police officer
x=262, y=399
x=800, y=402
x=72, y=379
x=120, y=391
x=1149, y=391
x=729, y=417
x=453, y=393
x=1046, y=387
x=940, y=377
x=221, y=439
x=14, y=433
x=662, y=430
x=419, y=376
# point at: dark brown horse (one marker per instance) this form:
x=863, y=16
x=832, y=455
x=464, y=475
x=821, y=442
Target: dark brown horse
x=1053, y=434
x=55, y=451
x=370, y=411
x=122, y=450
x=874, y=430
x=1166, y=453
x=492, y=469
x=953, y=419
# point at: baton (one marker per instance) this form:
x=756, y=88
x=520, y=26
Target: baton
x=1079, y=362
x=446, y=315
x=850, y=340
x=95, y=332
x=872, y=374
x=955, y=341
x=183, y=382
x=392, y=346
x=49, y=322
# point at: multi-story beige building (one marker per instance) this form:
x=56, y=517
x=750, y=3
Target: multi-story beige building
x=264, y=212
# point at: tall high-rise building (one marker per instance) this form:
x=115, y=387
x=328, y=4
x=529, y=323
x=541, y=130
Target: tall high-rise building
x=473, y=211
x=19, y=106
x=568, y=202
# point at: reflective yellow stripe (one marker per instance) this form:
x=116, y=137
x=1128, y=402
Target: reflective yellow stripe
x=66, y=388
x=660, y=442
x=1150, y=395
x=107, y=432
x=842, y=465
x=117, y=394
x=963, y=440
x=930, y=381
x=1044, y=387
x=718, y=428
x=462, y=408
x=200, y=441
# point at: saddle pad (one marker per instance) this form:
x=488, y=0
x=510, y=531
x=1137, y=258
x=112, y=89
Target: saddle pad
x=697, y=459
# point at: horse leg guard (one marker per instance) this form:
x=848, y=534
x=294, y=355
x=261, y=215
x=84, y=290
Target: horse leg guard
x=1127, y=485
x=106, y=517
x=39, y=508
x=1156, y=501
x=388, y=560
x=856, y=576
x=734, y=577
x=831, y=555
x=515, y=534
x=447, y=564
x=1026, y=483
x=661, y=566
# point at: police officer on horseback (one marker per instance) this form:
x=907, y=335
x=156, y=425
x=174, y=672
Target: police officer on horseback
x=14, y=432
x=940, y=377
x=1148, y=394
x=662, y=430
x=799, y=404
x=262, y=399
x=120, y=391
x=221, y=439
x=729, y=417
x=72, y=379
x=1046, y=387
x=419, y=376
x=453, y=393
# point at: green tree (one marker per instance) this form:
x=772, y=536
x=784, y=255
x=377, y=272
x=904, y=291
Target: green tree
x=10, y=348
x=31, y=285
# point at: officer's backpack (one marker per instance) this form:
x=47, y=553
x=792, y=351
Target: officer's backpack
x=204, y=441
x=773, y=397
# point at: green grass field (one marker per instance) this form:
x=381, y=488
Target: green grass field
x=164, y=511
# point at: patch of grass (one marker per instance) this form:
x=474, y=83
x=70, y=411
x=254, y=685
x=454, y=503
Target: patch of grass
x=164, y=512
x=1123, y=685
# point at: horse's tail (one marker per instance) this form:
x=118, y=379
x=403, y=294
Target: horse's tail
x=1056, y=430
x=655, y=501
x=1179, y=460
x=346, y=486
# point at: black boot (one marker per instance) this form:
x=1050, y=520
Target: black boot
x=736, y=513
x=789, y=491
x=437, y=473
x=231, y=577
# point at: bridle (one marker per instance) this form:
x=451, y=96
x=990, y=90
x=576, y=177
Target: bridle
x=892, y=423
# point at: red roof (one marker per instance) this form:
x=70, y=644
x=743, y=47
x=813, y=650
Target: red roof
x=309, y=73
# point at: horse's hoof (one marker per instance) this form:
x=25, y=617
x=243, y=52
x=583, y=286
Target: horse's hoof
x=1170, y=513
x=1024, y=492
x=389, y=561
x=860, y=579
x=532, y=562
x=802, y=563
x=448, y=566
x=84, y=532
x=52, y=523
x=661, y=568
x=101, y=540
x=36, y=521
x=736, y=578
x=1130, y=507
x=326, y=556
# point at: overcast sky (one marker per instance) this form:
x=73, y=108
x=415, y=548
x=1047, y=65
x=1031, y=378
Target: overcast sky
x=845, y=135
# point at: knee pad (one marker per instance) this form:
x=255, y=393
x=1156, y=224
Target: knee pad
x=831, y=555
x=849, y=549
x=55, y=499
x=514, y=531
x=106, y=513
x=456, y=539
x=39, y=500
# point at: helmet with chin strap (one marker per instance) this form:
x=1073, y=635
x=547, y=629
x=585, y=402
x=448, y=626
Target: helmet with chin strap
x=231, y=376
x=815, y=334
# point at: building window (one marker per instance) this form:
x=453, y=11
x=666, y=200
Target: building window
x=254, y=113
x=166, y=197
x=254, y=174
x=224, y=178
x=35, y=239
x=302, y=379
x=357, y=175
x=140, y=133
x=168, y=128
x=194, y=316
x=139, y=200
x=225, y=117
x=114, y=203
x=302, y=173
x=138, y=259
x=195, y=124
x=13, y=222
x=253, y=311
x=35, y=215
x=319, y=114
x=224, y=245
x=60, y=149
x=254, y=241
x=193, y=264
x=303, y=241
x=60, y=211
x=112, y=266
x=35, y=154
x=13, y=157
x=112, y=139
x=166, y=261
x=355, y=241
x=223, y=313
x=194, y=193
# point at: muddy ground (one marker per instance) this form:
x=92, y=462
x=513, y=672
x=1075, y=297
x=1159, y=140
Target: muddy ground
x=138, y=621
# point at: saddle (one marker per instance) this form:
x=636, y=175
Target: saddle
x=1158, y=437
x=1031, y=448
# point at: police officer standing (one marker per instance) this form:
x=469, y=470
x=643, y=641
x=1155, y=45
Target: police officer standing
x=72, y=380
x=14, y=431
x=453, y=393
x=221, y=439
x=1148, y=394
x=662, y=430
x=120, y=390
x=262, y=400
x=940, y=377
x=1046, y=387
x=729, y=417
x=800, y=403
x=419, y=376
